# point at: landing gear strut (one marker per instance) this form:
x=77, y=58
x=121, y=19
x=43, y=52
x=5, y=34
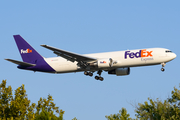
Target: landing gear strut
x=99, y=77
x=163, y=65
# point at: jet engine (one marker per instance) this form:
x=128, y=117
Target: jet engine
x=103, y=63
x=120, y=71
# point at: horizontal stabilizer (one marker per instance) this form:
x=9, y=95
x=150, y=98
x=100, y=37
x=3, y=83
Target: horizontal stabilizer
x=25, y=64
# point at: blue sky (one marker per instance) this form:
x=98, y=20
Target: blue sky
x=92, y=26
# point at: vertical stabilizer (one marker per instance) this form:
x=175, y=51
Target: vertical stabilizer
x=27, y=52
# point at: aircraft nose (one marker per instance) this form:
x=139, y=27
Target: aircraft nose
x=174, y=55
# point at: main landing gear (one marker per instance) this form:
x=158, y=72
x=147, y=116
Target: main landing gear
x=99, y=77
x=163, y=65
x=96, y=77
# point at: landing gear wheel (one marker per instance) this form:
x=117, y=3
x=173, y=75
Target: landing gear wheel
x=101, y=78
x=90, y=74
x=96, y=77
x=86, y=73
x=162, y=69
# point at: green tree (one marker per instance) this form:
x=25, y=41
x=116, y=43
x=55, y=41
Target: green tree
x=154, y=109
x=75, y=118
x=19, y=107
x=161, y=110
x=47, y=108
x=5, y=99
x=175, y=102
x=122, y=115
x=44, y=115
x=31, y=112
x=20, y=103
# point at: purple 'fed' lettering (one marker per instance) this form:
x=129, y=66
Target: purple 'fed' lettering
x=132, y=54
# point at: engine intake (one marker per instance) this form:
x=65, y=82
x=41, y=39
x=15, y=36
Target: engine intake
x=120, y=71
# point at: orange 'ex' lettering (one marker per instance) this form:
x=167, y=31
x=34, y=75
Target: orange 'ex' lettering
x=143, y=53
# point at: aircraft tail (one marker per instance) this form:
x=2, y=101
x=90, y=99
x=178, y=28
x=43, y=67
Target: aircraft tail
x=27, y=52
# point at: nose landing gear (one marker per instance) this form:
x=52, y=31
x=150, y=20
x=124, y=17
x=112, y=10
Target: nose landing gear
x=163, y=65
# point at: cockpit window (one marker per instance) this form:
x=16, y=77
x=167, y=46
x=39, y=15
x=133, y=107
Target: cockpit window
x=168, y=51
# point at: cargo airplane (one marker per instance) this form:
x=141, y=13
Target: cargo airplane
x=116, y=63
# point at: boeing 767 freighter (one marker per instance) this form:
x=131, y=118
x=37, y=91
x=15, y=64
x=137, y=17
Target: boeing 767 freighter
x=116, y=63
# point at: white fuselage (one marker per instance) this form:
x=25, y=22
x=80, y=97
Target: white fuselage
x=121, y=59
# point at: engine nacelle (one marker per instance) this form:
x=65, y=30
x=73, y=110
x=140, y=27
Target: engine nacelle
x=106, y=62
x=120, y=71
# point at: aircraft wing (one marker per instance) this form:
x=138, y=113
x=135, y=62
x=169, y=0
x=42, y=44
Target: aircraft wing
x=25, y=64
x=69, y=55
